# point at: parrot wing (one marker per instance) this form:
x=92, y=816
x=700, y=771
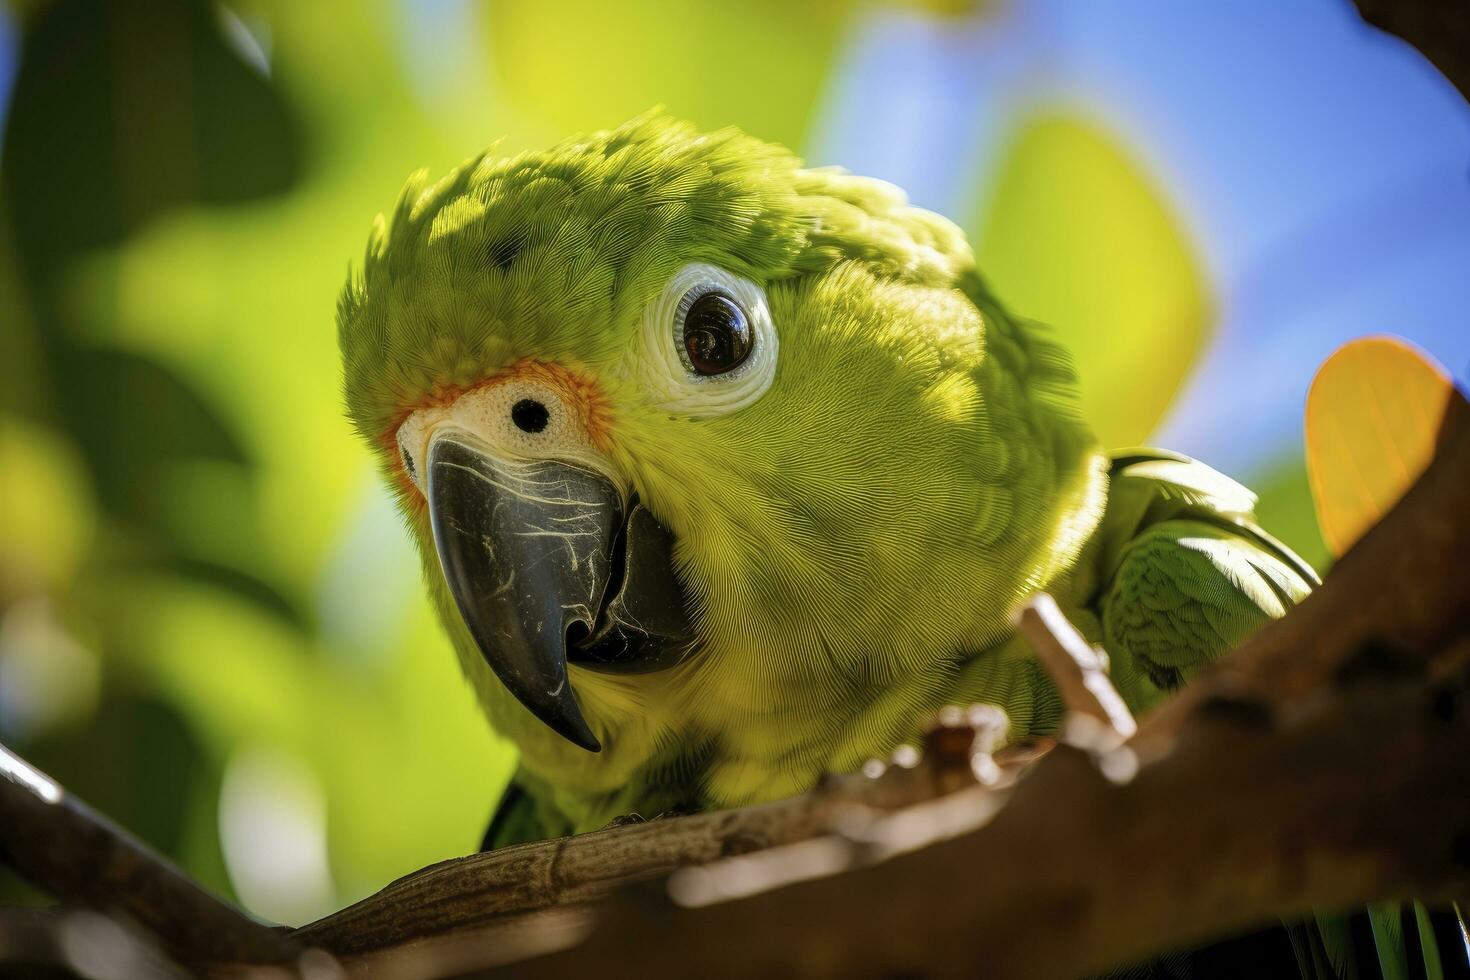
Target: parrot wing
x=1185, y=573
x=1152, y=485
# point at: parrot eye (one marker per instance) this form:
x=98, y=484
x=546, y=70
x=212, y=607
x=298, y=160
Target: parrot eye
x=717, y=334
x=708, y=346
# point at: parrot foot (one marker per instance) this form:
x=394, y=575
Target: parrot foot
x=625, y=820
x=628, y=819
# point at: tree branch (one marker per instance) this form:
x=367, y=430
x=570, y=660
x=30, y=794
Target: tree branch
x=84, y=859
x=1358, y=796
x=1315, y=767
x=1439, y=30
x=483, y=889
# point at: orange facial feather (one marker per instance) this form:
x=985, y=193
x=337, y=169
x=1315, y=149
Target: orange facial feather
x=577, y=390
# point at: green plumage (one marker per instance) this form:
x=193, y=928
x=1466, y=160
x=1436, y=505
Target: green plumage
x=854, y=540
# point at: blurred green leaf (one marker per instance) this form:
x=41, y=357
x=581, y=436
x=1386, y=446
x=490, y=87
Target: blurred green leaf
x=125, y=108
x=46, y=510
x=1078, y=235
x=132, y=414
x=241, y=583
x=137, y=762
x=1285, y=507
x=24, y=387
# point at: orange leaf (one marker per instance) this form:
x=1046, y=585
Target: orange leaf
x=1375, y=412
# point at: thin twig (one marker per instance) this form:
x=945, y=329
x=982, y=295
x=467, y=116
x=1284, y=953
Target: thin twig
x=1078, y=669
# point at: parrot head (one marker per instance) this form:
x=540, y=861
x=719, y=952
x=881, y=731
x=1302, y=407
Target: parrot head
x=695, y=442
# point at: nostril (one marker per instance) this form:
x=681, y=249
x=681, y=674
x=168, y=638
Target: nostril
x=529, y=415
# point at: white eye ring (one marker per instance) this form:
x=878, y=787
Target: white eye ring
x=671, y=377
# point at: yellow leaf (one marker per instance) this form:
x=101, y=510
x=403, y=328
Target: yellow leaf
x=1375, y=412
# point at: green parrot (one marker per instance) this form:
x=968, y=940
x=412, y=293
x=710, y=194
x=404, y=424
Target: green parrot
x=727, y=473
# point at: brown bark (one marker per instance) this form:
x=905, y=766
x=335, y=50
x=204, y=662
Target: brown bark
x=85, y=860
x=1439, y=29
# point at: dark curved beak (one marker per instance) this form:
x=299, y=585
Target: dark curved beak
x=545, y=565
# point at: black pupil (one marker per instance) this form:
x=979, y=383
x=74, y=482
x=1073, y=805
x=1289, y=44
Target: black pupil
x=529, y=415
x=717, y=334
